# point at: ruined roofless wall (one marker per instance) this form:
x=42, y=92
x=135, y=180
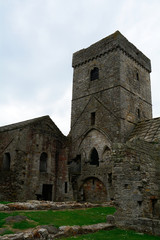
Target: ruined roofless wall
x=114, y=41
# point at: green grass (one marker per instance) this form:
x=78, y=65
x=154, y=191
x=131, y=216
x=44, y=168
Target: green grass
x=116, y=234
x=2, y=217
x=24, y=225
x=7, y=232
x=71, y=217
x=59, y=218
x=4, y=202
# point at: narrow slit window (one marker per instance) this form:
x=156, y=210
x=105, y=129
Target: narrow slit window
x=110, y=178
x=138, y=113
x=66, y=187
x=94, y=74
x=137, y=76
x=93, y=118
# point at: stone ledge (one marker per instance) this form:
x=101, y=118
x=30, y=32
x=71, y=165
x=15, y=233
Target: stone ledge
x=63, y=231
x=47, y=205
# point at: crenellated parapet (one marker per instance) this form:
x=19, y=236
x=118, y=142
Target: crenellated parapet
x=109, y=44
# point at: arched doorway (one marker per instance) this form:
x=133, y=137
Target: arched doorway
x=93, y=190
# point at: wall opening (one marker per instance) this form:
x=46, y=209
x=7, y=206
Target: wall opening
x=138, y=113
x=43, y=162
x=66, y=187
x=110, y=178
x=93, y=190
x=139, y=203
x=137, y=76
x=153, y=202
x=94, y=158
x=6, y=162
x=47, y=192
x=94, y=74
x=93, y=118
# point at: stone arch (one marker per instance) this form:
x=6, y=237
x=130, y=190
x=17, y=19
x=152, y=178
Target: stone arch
x=106, y=156
x=93, y=190
x=93, y=138
x=104, y=134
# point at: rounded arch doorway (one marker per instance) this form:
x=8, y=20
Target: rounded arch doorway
x=93, y=190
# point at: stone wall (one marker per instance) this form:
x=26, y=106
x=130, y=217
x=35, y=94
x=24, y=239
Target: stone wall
x=136, y=185
x=38, y=162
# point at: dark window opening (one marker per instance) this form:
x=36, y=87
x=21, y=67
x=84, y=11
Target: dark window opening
x=94, y=159
x=93, y=181
x=78, y=158
x=139, y=203
x=110, y=178
x=126, y=186
x=65, y=187
x=137, y=76
x=138, y=113
x=140, y=188
x=43, y=162
x=6, y=162
x=94, y=74
x=93, y=117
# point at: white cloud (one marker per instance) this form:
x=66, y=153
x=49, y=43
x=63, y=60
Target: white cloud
x=39, y=37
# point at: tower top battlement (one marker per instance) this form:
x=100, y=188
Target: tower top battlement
x=108, y=44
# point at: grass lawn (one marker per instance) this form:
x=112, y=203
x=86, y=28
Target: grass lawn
x=116, y=234
x=58, y=218
x=4, y=202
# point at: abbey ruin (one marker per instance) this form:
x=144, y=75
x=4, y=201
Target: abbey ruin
x=112, y=152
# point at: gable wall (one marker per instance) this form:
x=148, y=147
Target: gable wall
x=25, y=180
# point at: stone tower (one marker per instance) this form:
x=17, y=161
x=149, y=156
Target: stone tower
x=111, y=92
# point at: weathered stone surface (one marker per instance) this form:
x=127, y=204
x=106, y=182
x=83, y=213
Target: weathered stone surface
x=51, y=229
x=63, y=231
x=110, y=219
x=17, y=218
x=112, y=151
x=45, y=205
x=32, y=152
x=3, y=207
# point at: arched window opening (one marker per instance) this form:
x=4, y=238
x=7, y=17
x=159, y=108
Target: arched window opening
x=43, y=162
x=94, y=158
x=6, y=162
x=94, y=74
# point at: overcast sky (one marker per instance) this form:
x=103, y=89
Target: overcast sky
x=38, y=38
